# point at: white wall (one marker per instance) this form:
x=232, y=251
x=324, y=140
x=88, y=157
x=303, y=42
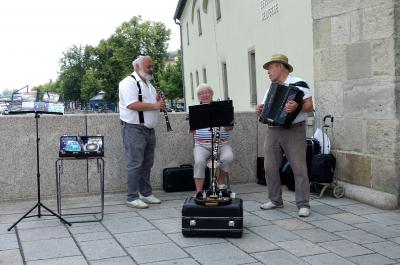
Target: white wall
x=240, y=29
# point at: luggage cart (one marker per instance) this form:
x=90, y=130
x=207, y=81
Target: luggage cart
x=323, y=165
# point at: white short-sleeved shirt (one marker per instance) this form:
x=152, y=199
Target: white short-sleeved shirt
x=302, y=116
x=128, y=94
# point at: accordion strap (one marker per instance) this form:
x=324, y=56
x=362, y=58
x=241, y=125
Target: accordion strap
x=300, y=84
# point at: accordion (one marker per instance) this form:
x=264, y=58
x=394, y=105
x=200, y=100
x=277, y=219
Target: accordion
x=81, y=146
x=274, y=106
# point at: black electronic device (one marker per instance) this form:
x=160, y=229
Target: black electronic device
x=81, y=146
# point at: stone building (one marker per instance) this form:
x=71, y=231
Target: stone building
x=347, y=50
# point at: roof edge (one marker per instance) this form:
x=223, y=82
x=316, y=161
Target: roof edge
x=179, y=9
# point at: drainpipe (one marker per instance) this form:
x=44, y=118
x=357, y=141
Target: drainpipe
x=183, y=68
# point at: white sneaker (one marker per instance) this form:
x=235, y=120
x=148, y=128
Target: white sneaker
x=138, y=203
x=304, y=212
x=150, y=199
x=270, y=206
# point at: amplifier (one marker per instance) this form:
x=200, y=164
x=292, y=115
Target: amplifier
x=81, y=146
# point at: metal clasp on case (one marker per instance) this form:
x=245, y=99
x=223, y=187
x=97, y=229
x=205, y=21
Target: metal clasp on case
x=231, y=223
x=192, y=223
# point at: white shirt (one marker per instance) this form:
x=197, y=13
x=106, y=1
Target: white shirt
x=302, y=116
x=128, y=94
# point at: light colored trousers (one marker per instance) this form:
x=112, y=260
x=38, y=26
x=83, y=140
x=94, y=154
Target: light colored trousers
x=202, y=152
x=293, y=143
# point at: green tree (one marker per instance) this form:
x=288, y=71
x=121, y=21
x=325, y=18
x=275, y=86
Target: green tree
x=85, y=71
x=72, y=70
x=171, y=80
x=49, y=87
x=90, y=85
x=131, y=39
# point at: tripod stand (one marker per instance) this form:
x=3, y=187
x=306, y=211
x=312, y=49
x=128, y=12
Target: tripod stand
x=39, y=204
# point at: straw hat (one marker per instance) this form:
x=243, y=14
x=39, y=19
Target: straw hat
x=279, y=58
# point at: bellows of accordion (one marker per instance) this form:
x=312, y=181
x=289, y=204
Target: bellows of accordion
x=274, y=105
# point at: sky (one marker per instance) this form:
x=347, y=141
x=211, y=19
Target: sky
x=35, y=33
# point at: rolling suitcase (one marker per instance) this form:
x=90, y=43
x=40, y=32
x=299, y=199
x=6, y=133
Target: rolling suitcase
x=212, y=221
x=181, y=178
x=323, y=165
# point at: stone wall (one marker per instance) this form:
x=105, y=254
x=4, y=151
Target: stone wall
x=356, y=62
x=18, y=176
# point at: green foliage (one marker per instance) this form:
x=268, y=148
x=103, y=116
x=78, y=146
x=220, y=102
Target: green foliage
x=90, y=85
x=72, y=70
x=49, y=87
x=85, y=71
x=171, y=79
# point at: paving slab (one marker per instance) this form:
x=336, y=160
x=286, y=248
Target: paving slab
x=372, y=259
x=220, y=254
x=338, y=231
x=345, y=248
x=156, y=252
x=49, y=248
x=278, y=257
x=102, y=249
x=76, y=260
x=12, y=256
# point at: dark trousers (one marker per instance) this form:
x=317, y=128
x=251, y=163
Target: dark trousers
x=293, y=143
x=139, y=144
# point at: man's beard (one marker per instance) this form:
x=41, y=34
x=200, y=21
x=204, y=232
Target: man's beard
x=146, y=76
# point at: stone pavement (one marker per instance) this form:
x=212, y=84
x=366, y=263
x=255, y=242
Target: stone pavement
x=339, y=231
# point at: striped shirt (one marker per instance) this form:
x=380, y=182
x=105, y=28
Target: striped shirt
x=203, y=136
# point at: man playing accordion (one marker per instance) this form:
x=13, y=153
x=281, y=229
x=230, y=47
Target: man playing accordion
x=290, y=139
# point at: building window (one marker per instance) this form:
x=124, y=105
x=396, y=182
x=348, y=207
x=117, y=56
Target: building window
x=187, y=33
x=218, y=9
x=197, y=78
x=204, y=75
x=199, y=22
x=225, y=80
x=252, y=77
x=191, y=85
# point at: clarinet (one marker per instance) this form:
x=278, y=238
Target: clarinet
x=215, y=161
x=162, y=96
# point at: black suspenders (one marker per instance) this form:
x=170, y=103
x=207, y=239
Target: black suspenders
x=141, y=118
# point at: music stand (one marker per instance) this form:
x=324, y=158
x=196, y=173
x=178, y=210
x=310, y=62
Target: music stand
x=215, y=114
x=39, y=204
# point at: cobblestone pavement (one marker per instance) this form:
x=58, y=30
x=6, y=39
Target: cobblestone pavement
x=338, y=231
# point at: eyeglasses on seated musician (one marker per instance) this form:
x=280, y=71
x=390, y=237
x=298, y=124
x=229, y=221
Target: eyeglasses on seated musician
x=203, y=147
x=287, y=136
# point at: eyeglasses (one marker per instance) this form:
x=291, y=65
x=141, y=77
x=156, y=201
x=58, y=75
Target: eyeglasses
x=205, y=92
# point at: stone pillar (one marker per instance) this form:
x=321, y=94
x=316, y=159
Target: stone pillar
x=356, y=73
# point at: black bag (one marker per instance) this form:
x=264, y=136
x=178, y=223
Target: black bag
x=181, y=178
x=322, y=169
x=286, y=172
x=212, y=221
x=260, y=171
x=323, y=165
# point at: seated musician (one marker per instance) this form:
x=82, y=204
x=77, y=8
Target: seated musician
x=202, y=145
x=291, y=140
